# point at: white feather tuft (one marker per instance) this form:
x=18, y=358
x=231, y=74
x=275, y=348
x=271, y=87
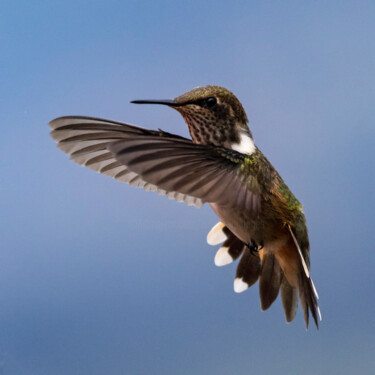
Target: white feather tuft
x=245, y=145
x=216, y=234
x=222, y=257
x=239, y=285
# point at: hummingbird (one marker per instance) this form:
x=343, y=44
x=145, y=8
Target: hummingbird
x=261, y=221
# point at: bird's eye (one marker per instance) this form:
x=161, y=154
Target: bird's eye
x=210, y=102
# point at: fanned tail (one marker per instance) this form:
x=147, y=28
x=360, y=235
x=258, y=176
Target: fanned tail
x=284, y=270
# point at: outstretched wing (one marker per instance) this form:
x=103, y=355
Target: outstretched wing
x=86, y=140
x=212, y=174
x=156, y=160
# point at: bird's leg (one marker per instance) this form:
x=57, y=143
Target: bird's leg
x=254, y=247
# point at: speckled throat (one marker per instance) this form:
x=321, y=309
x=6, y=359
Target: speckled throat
x=205, y=128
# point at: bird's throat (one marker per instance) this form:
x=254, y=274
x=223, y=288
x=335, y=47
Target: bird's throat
x=225, y=135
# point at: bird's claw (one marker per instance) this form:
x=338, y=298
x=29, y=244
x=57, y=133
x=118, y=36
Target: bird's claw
x=254, y=247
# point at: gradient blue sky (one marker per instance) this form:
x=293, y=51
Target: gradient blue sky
x=97, y=277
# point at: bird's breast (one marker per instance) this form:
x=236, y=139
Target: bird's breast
x=247, y=228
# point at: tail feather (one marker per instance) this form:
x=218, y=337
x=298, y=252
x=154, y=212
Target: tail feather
x=290, y=262
x=248, y=271
x=235, y=246
x=283, y=268
x=270, y=279
x=289, y=298
x=232, y=247
x=308, y=300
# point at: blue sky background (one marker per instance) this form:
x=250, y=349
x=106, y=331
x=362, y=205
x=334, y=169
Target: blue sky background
x=97, y=277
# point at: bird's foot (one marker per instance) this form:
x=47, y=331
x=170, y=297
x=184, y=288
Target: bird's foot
x=254, y=247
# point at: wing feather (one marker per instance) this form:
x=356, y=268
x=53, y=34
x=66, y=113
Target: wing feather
x=212, y=174
x=86, y=140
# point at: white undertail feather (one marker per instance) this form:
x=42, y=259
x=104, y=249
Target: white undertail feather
x=222, y=257
x=239, y=285
x=245, y=145
x=216, y=234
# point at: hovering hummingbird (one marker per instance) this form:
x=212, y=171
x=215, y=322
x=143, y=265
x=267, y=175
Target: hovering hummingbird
x=261, y=220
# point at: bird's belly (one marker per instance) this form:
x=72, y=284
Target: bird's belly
x=261, y=229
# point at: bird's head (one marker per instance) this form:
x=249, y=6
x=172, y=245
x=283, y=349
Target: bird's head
x=213, y=115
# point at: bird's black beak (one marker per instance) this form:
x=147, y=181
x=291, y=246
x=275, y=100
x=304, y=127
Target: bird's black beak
x=171, y=103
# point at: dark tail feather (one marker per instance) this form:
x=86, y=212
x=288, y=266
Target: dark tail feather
x=235, y=246
x=298, y=279
x=270, y=278
x=248, y=271
x=289, y=297
x=308, y=299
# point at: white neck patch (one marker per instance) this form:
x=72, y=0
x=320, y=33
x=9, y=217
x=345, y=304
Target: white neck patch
x=245, y=145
